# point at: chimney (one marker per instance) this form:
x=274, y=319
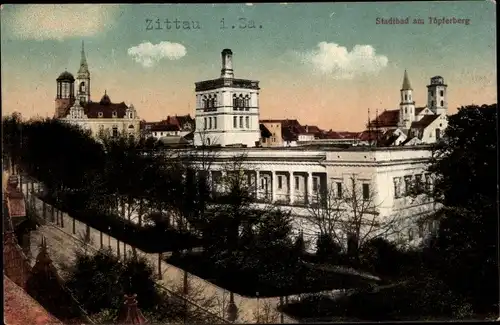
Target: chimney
x=227, y=64
x=131, y=313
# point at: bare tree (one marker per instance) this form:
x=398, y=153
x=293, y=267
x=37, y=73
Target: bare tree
x=266, y=313
x=349, y=215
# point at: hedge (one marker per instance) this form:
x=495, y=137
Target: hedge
x=149, y=239
x=247, y=280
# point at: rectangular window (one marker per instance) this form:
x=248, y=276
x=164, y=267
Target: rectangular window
x=261, y=183
x=315, y=184
x=418, y=183
x=215, y=122
x=297, y=183
x=241, y=122
x=441, y=93
x=209, y=122
x=366, y=191
x=205, y=123
x=235, y=122
x=407, y=184
x=280, y=182
x=427, y=182
x=247, y=122
x=115, y=131
x=339, y=189
x=397, y=187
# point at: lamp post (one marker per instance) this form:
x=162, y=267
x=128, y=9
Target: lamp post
x=232, y=310
x=258, y=307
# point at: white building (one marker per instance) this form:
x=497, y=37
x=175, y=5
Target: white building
x=294, y=177
x=98, y=117
x=227, y=109
x=411, y=125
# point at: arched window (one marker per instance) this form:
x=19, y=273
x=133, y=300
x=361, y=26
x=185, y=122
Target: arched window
x=241, y=122
x=209, y=122
x=82, y=87
x=247, y=102
x=406, y=97
x=241, y=102
x=442, y=103
x=205, y=124
x=247, y=122
x=215, y=122
x=208, y=141
x=114, y=113
x=235, y=102
x=205, y=102
x=438, y=134
x=235, y=122
x=214, y=102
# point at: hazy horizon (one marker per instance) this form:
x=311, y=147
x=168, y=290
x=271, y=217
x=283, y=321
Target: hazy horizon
x=325, y=64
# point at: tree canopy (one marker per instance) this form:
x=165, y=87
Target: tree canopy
x=465, y=165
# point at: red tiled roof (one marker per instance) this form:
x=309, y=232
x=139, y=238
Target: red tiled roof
x=388, y=118
x=16, y=264
x=424, y=122
x=105, y=106
x=419, y=110
x=369, y=135
x=160, y=127
x=21, y=309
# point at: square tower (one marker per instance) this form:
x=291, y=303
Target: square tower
x=227, y=109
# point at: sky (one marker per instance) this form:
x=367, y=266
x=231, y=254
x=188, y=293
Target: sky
x=325, y=64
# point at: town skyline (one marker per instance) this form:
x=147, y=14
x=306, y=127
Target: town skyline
x=326, y=67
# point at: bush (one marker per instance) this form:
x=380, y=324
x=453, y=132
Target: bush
x=327, y=249
x=100, y=281
x=422, y=299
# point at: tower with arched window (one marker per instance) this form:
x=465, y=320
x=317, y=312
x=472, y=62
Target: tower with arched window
x=407, y=104
x=227, y=109
x=436, y=96
x=83, y=79
x=65, y=96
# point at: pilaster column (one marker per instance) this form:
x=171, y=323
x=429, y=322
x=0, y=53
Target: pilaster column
x=309, y=187
x=274, y=184
x=291, y=188
x=257, y=184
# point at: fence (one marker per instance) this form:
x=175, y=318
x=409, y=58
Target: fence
x=95, y=239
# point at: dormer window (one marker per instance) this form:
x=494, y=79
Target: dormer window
x=114, y=113
x=131, y=115
x=99, y=114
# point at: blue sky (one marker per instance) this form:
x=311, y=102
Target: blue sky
x=328, y=58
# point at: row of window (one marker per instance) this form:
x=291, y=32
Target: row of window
x=432, y=103
x=406, y=185
x=240, y=119
x=210, y=123
x=441, y=93
x=316, y=186
x=241, y=102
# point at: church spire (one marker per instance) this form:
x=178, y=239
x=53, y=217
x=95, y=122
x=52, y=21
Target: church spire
x=84, y=68
x=406, y=82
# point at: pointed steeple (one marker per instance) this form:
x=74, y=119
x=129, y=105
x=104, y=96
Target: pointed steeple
x=406, y=83
x=84, y=68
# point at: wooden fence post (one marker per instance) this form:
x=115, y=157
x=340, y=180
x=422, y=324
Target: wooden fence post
x=160, y=275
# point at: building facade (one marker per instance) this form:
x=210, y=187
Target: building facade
x=74, y=105
x=298, y=181
x=411, y=125
x=227, y=109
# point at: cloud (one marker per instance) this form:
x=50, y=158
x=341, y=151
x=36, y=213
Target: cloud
x=57, y=22
x=336, y=61
x=148, y=54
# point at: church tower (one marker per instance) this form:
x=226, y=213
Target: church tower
x=65, y=96
x=407, y=104
x=436, y=96
x=83, y=80
x=227, y=109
